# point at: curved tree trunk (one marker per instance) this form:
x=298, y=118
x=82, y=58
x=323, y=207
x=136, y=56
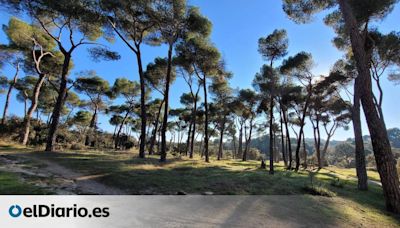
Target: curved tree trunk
x=35, y=100
x=301, y=132
x=62, y=95
x=10, y=88
x=325, y=150
x=385, y=161
x=117, y=138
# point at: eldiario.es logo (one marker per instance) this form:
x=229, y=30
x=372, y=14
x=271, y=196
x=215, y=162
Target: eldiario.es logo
x=40, y=211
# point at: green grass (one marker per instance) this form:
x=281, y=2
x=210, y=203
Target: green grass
x=372, y=175
x=13, y=184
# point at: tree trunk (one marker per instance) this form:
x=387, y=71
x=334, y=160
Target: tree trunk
x=385, y=161
x=143, y=113
x=163, y=156
x=304, y=152
x=188, y=138
x=241, y=139
x=27, y=119
x=10, y=88
x=248, y=140
x=289, y=144
x=234, y=147
x=194, y=126
x=92, y=127
x=325, y=150
x=301, y=132
x=116, y=143
x=283, y=140
x=359, y=150
x=271, y=136
x=62, y=95
x=206, y=121
x=317, y=141
x=221, y=139
x=153, y=138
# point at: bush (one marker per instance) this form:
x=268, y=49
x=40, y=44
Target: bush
x=316, y=188
x=318, y=191
x=77, y=146
x=253, y=154
x=129, y=145
x=338, y=183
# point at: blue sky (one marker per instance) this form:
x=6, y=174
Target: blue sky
x=237, y=26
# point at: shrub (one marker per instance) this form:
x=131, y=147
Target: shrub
x=129, y=145
x=316, y=188
x=77, y=146
x=338, y=183
x=318, y=191
x=254, y=154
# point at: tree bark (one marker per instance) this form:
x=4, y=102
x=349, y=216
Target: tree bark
x=62, y=95
x=153, y=138
x=359, y=150
x=317, y=140
x=221, y=139
x=10, y=88
x=194, y=126
x=304, y=153
x=283, y=140
x=248, y=140
x=234, y=147
x=92, y=127
x=207, y=159
x=301, y=131
x=117, y=138
x=143, y=113
x=271, y=136
x=240, y=149
x=385, y=161
x=289, y=144
x=163, y=156
x=27, y=119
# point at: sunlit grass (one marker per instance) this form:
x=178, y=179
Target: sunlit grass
x=126, y=171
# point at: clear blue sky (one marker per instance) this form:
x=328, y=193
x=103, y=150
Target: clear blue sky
x=237, y=26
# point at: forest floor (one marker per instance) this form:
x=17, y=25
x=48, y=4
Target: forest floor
x=24, y=171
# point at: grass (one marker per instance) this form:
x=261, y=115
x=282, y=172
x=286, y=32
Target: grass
x=13, y=184
x=126, y=171
x=372, y=175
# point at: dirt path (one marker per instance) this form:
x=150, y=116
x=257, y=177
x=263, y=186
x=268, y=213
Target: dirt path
x=59, y=179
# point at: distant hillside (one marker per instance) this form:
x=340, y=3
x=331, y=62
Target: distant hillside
x=262, y=143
